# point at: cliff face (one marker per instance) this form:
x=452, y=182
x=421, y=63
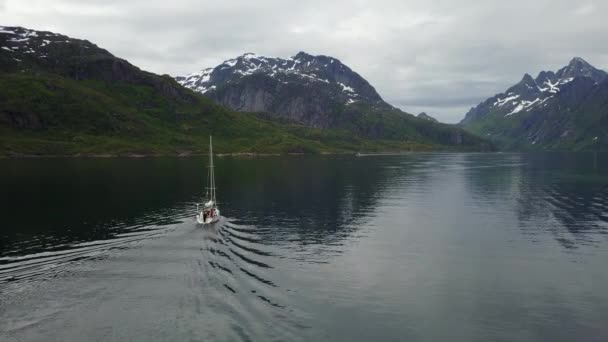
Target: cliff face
x=563, y=110
x=305, y=88
x=320, y=92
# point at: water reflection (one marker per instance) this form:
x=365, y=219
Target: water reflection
x=438, y=246
x=309, y=200
x=50, y=204
x=564, y=195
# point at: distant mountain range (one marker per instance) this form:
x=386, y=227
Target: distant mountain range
x=566, y=110
x=316, y=91
x=60, y=95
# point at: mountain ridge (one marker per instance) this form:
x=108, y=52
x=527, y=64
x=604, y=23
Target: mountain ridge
x=66, y=96
x=546, y=112
x=315, y=91
x=302, y=87
x=313, y=68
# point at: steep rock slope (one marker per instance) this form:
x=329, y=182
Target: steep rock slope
x=320, y=92
x=303, y=88
x=556, y=110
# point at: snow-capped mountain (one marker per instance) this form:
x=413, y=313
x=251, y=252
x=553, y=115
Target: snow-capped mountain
x=320, y=92
x=19, y=40
x=32, y=52
x=24, y=47
x=534, y=111
x=304, y=88
x=532, y=93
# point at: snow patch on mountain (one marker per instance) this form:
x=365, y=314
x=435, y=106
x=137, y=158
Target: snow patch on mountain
x=500, y=102
x=34, y=44
x=531, y=93
x=201, y=77
x=301, y=68
x=346, y=88
x=523, y=105
x=554, y=87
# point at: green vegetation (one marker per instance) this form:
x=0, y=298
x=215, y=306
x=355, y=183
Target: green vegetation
x=393, y=124
x=64, y=96
x=48, y=114
x=557, y=128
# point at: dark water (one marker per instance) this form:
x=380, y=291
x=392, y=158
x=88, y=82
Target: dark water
x=418, y=247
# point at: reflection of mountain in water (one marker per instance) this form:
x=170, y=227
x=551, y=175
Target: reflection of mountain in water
x=310, y=200
x=565, y=195
x=492, y=177
x=51, y=203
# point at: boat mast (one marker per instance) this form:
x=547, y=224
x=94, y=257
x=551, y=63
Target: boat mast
x=207, y=194
x=211, y=173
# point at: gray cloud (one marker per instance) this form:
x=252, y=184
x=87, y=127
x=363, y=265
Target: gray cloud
x=437, y=56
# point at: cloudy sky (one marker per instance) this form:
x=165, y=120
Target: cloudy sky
x=438, y=56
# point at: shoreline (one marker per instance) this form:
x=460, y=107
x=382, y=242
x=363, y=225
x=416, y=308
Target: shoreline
x=223, y=155
x=157, y=155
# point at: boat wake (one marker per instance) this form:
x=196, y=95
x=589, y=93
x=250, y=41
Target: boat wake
x=222, y=273
x=49, y=263
x=242, y=267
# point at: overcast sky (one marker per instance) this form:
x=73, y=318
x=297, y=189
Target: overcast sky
x=438, y=56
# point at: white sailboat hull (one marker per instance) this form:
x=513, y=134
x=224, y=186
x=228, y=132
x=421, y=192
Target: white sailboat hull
x=209, y=220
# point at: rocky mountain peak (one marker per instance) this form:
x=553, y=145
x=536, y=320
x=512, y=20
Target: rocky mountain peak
x=303, y=55
x=555, y=108
x=579, y=63
x=545, y=76
x=527, y=87
x=23, y=47
x=303, y=66
x=527, y=79
x=304, y=86
x=529, y=93
x=578, y=67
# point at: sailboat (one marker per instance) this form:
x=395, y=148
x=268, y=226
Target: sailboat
x=210, y=212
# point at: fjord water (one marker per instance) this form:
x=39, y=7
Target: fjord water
x=416, y=247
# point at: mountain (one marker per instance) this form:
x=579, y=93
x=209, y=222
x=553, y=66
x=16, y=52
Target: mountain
x=319, y=92
x=427, y=117
x=566, y=109
x=303, y=88
x=23, y=50
x=60, y=95
x=65, y=96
